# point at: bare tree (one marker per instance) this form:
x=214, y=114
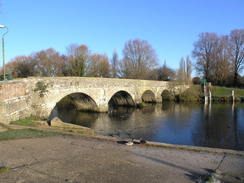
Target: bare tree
x=188, y=68
x=114, y=65
x=98, y=66
x=237, y=52
x=204, y=51
x=164, y=73
x=48, y=62
x=43, y=63
x=21, y=66
x=78, y=56
x=221, y=68
x=139, y=59
x=181, y=75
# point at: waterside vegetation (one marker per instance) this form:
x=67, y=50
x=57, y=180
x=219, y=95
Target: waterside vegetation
x=195, y=94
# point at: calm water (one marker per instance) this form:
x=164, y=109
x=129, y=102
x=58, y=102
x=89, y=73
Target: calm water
x=218, y=125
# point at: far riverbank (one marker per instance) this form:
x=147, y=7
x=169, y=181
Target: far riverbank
x=195, y=94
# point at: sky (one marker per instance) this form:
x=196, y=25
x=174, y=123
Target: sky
x=170, y=26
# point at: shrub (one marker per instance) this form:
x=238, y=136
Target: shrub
x=194, y=93
x=188, y=96
x=41, y=88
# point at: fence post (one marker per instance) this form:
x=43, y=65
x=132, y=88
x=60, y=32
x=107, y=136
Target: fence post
x=205, y=93
x=233, y=96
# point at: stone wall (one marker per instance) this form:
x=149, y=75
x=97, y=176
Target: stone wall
x=13, y=89
x=15, y=100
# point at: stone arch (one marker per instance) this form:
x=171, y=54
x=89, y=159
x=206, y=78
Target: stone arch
x=148, y=97
x=79, y=101
x=167, y=95
x=121, y=98
x=76, y=100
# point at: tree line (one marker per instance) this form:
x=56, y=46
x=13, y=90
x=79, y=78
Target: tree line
x=218, y=58
x=139, y=62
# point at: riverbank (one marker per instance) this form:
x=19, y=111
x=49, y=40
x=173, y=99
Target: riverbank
x=196, y=163
x=76, y=159
x=195, y=94
x=33, y=128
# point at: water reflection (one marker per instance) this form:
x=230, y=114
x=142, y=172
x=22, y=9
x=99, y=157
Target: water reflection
x=77, y=117
x=121, y=113
x=215, y=128
x=212, y=125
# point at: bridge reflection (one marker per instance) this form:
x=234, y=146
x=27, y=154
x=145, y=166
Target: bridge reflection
x=187, y=124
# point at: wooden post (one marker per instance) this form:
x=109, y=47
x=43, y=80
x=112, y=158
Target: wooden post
x=205, y=94
x=210, y=95
x=233, y=96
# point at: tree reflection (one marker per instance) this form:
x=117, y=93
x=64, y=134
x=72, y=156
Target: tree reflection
x=121, y=113
x=148, y=108
x=218, y=127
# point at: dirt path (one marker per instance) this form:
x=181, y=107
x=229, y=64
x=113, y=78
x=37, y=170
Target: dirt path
x=77, y=159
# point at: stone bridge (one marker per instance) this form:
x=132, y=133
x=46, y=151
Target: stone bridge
x=39, y=96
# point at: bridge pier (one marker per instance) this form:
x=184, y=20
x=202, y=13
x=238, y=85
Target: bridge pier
x=103, y=108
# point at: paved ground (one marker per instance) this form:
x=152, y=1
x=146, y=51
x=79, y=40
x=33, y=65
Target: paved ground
x=76, y=159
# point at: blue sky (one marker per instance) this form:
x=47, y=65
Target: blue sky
x=170, y=26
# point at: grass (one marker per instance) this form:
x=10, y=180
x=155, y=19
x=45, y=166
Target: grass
x=25, y=122
x=27, y=133
x=32, y=123
x=220, y=94
x=219, y=91
x=3, y=169
x=210, y=179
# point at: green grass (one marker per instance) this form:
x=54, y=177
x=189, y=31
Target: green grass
x=218, y=91
x=25, y=122
x=220, y=94
x=27, y=133
x=209, y=179
x=4, y=170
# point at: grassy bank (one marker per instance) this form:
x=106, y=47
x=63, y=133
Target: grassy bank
x=219, y=91
x=219, y=94
x=56, y=124
x=27, y=133
x=30, y=121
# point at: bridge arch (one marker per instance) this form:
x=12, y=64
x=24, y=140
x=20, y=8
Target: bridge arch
x=167, y=95
x=121, y=98
x=148, y=97
x=70, y=100
x=78, y=100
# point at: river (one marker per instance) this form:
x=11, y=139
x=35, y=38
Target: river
x=215, y=125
